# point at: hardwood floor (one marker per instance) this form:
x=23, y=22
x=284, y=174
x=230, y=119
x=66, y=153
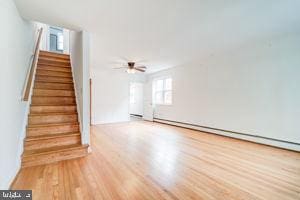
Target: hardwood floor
x=142, y=160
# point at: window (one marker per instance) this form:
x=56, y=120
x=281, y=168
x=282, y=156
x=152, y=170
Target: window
x=56, y=39
x=162, y=91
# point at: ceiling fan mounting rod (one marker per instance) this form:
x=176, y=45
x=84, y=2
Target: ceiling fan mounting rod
x=131, y=64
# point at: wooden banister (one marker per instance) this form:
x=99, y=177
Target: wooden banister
x=30, y=74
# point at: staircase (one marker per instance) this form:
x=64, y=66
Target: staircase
x=53, y=132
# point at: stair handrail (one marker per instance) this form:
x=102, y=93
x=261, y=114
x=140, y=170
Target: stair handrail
x=31, y=71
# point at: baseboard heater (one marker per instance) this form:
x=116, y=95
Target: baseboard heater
x=135, y=115
x=244, y=136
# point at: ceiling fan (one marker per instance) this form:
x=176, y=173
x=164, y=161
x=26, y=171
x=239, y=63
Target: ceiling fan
x=131, y=68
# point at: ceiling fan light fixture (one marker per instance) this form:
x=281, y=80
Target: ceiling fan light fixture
x=130, y=71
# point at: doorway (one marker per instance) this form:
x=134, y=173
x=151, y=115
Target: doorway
x=56, y=37
x=136, y=104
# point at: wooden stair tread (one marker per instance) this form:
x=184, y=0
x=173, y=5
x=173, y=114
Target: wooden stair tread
x=50, y=81
x=58, y=104
x=64, y=105
x=41, y=65
x=53, y=53
x=46, y=76
x=54, y=57
x=55, y=100
x=28, y=153
x=53, y=86
x=51, y=58
x=55, y=69
x=52, y=70
x=42, y=76
x=53, y=113
x=50, y=136
x=53, y=124
x=53, y=89
x=53, y=109
x=70, y=89
x=55, y=97
x=52, y=118
x=53, y=106
x=51, y=129
x=52, y=96
x=50, y=92
x=49, y=64
x=45, y=72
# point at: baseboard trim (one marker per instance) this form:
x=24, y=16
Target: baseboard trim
x=233, y=134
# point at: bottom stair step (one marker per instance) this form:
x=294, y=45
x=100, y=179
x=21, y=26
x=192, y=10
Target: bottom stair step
x=53, y=154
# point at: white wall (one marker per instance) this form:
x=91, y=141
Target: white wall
x=45, y=40
x=110, y=95
x=254, y=89
x=66, y=33
x=79, y=52
x=77, y=62
x=86, y=88
x=17, y=40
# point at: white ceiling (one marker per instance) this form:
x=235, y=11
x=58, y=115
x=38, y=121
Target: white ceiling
x=165, y=33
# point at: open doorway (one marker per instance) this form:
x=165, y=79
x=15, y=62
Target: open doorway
x=136, y=104
x=56, y=38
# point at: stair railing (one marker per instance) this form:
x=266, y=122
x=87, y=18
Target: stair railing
x=31, y=71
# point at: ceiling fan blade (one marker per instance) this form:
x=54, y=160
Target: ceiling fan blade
x=119, y=67
x=116, y=62
x=141, y=67
x=124, y=59
x=138, y=69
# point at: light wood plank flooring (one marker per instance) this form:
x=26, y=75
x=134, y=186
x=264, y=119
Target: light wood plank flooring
x=142, y=160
